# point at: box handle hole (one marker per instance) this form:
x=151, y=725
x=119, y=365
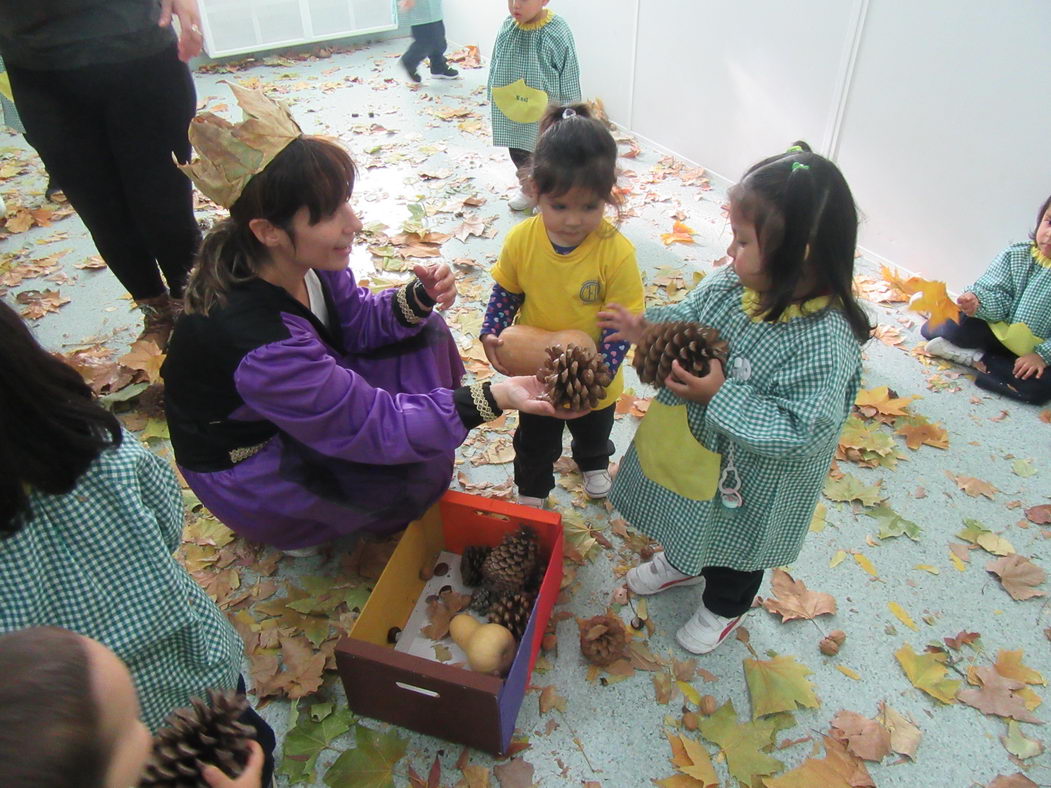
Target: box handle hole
x=414, y=688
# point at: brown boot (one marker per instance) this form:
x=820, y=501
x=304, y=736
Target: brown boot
x=158, y=319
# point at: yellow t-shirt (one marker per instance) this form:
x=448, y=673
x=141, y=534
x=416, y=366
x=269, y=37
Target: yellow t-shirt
x=564, y=291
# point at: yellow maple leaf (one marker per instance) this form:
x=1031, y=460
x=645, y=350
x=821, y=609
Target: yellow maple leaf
x=145, y=356
x=778, y=684
x=881, y=400
x=927, y=672
x=680, y=234
x=928, y=434
x=906, y=286
x=931, y=298
x=1009, y=664
x=838, y=769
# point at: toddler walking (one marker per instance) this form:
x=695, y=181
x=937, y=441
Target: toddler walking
x=555, y=272
x=534, y=65
x=725, y=469
x=428, y=39
x=1005, y=325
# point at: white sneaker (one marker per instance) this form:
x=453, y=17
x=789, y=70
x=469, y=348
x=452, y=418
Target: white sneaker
x=521, y=202
x=705, y=631
x=658, y=575
x=303, y=552
x=943, y=348
x=3, y=207
x=597, y=483
x=529, y=500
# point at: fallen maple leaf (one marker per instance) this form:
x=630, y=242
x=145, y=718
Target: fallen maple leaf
x=744, y=743
x=1041, y=515
x=838, y=769
x=865, y=738
x=778, y=684
x=516, y=773
x=370, y=763
x=1016, y=780
x=793, y=600
x=1018, y=575
x=1018, y=745
x=1009, y=664
x=850, y=488
x=927, y=672
x=904, y=735
x=881, y=400
x=962, y=639
x=928, y=434
x=694, y=763
x=40, y=302
x=146, y=356
x=892, y=524
x=550, y=699
x=996, y=695
x=972, y=486
x=680, y=234
x=932, y=298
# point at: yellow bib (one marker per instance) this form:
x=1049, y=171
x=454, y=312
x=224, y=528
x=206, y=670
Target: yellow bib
x=5, y=87
x=1016, y=337
x=670, y=456
x=520, y=103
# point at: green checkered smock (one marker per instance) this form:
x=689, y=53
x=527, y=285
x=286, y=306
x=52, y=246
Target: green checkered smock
x=545, y=56
x=424, y=12
x=98, y=561
x=790, y=386
x=1016, y=288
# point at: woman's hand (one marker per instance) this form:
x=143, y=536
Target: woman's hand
x=690, y=387
x=490, y=342
x=523, y=393
x=1031, y=365
x=252, y=777
x=626, y=325
x=190, y=37
x=439, y=282
x=968, y=303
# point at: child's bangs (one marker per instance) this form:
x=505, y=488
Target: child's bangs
x=326, y=180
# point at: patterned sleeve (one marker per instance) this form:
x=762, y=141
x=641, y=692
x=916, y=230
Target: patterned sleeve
x=994, y=290
x=501, y=311
x=612, y=352
x=160, y=495
x=1044, y=351
x=569, y=72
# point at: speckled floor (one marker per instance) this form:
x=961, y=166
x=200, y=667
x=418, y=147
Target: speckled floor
x=429, y=146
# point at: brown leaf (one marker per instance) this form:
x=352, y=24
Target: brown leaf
x=663, y=686
x=1018, y=575
x=1016, y=780
x=145, y=355
x=794, y=600
x=550, y=699
x=996, y=696
x=865, y=738
x=685, y=670
x=972, y=486
x=904, y=735
x=516, y=773
x=1041, y=515
x=962, y=639
x=439, y=617
x=40, y=302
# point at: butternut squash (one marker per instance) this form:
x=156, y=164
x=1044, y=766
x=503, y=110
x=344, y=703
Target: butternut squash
x=522, y=351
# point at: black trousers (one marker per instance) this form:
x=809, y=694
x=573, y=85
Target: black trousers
x=538, y=444
x=107, y=133
x=264, y=734
x=730, y=592
x=428, y=41
x=999, y=377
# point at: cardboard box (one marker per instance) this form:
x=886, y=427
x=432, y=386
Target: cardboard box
x=425, y=695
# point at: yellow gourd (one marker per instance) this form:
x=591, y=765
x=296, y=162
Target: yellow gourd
x=490, y=648
x=522, y=351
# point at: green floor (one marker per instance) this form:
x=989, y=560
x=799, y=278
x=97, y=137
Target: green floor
x=425, y=164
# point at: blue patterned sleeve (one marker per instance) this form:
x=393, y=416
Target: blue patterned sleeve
x=501, y=311
x=612, y=352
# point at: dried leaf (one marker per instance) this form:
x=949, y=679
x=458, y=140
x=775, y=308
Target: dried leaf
x=931, y=298
x=1018, y=745
x=1009, y=664
x=1018, y=575
x=1041, y=515
x=927, y=672
x=902, y=616
x=996, y=695
x=904, y=735
x=838, y=769
x=371, y=763
x=882, y=401
x=929, y=434
x=850, y=488
x=892, y=524
x=550, y=699
x=743, y=743
x=779, y=684
x=792, y=599
x=865, y=738
x=972, y=486
x=516, y=773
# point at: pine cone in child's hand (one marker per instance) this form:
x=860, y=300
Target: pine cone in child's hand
x=574, y=378
x=691, y=344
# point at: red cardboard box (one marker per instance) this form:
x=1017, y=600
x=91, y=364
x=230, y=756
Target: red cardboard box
x=425, y=695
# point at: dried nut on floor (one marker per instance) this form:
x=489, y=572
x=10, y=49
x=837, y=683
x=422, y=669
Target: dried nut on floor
x=708, y=705
x=830, y=644
x=690, y=721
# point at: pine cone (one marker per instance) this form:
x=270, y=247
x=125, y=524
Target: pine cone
x=202, y=733
x=692, y=344
x=602, y=639
x=509, y=565
x=471, y=564
x=481, y=599
x=512, y=611
x=575, y=378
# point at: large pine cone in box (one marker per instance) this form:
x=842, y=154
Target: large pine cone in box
x=511, y=563
x=471, y=564
x=574, y=378
x=602, y=639
x=691, y=344
x=203, y=733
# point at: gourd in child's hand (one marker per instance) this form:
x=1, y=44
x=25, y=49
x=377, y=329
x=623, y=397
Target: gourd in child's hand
x=522, y=351
x=490, y=648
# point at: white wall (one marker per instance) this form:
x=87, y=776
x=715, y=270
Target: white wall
x=936, y=111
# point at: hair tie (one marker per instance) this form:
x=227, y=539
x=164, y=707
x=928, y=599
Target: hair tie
x=796, y=165
x=795, y=149
x=568, y=112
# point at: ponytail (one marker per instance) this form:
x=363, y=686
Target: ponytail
x=229, y=255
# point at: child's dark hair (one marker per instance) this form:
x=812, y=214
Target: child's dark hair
x=807, y=226
x=312, y=172
x=1040, y=218
x=574, y=150
x=51, y=428
x=49, y=719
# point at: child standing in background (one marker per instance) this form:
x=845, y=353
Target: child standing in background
x=725, y=469
x=555, y=272
x=428, y=39
x=1005, y=330
x=534, y=64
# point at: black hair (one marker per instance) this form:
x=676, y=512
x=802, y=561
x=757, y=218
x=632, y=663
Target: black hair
x=51, y=427
x=574, y=150
x=312, y=172
x=49, y=718
x=1040, y=218
x=807, y=226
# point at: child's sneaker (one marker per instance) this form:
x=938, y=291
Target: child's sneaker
x=447, y=73
x=943, y=348
x=529, y=500
x=413, y=74
x=521, y=202
x=658, y=575
x=705, y=631
x=597, y=483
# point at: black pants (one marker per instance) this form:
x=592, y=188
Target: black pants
x=106, y=133
x=428, y=41
x=999, y=362
x=264, y=734
x=538, y=444
x=727, y=592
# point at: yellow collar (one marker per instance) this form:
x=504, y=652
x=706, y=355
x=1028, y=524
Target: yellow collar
x=750, y=304
x=1040, y=257
x=543, y=20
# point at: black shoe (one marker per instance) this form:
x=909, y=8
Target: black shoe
x=53, y=192
x=413, y=73
x=446, y=73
